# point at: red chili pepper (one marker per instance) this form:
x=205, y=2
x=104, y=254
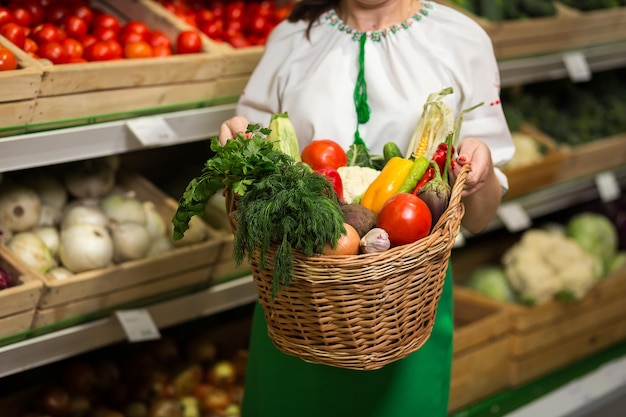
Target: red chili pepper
x=428, y=175
x=440, y=156
x=333, y=177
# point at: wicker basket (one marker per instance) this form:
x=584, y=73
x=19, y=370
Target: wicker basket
x=363, y=311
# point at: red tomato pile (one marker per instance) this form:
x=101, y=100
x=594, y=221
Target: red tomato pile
x=67, y=31
x=238, y=22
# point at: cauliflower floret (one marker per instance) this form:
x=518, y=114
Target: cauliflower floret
x=527, y=151
x=544, y=264
x=355, y=180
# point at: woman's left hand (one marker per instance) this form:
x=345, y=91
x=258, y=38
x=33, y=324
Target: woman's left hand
x=475, y=153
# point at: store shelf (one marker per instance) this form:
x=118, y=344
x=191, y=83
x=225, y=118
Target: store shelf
x=561, y=196
x=552, y=66
x=110, y=138
x=49, y=348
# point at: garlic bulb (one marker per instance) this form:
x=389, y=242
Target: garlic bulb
x=376, y=240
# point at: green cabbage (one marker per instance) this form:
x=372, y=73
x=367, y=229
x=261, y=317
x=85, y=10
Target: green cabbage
x=491, y=281
x=596, y=234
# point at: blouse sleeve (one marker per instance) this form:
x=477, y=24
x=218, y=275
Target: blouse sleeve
x=261, y=96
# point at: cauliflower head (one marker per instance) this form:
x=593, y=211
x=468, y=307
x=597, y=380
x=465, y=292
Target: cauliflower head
x=545, y=264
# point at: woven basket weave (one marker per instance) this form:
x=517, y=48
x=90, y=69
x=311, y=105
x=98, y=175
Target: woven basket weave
x=363, y=311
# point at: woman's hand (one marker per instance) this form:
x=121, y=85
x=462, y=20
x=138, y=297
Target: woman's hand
x=475, y=153
x=482, y=192
x=231, y=127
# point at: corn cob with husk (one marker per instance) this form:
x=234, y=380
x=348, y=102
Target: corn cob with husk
x=283, y=135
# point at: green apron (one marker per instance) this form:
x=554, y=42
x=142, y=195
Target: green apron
x=279, y=385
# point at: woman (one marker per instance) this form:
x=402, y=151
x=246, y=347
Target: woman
x=359, y=71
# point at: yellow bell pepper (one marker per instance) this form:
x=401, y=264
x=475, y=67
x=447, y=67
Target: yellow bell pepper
x=386, y=184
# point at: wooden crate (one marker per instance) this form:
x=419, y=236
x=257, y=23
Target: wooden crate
x=481, y=341
x=17, y=303
x=569, y=29
x=72, y=93
x=92, y=291
x=19, y=87
x=553, y=335
x=526, y=179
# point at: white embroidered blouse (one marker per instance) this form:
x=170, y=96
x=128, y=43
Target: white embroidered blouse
x=314, y=80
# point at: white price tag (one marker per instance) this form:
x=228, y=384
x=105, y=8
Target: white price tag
x=608, y=187
x=577, y=66
x=514, y=217
x=152, y=130
x=138, y=325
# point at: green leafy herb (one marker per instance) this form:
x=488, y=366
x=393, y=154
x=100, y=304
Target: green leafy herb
x=358, y=155
x=237, y=164
x=292, y=208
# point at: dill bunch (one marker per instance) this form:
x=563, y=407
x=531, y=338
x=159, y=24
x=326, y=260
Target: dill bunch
x=292, y=208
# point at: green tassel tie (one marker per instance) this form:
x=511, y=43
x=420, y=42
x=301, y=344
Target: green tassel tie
x=360, y=93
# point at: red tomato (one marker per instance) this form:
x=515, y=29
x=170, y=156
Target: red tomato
x=102, y=33
x=6, y=16
x=14, y=33
x=406, y=218
x=205, y=15
x=161, y=50
x=30, y=46
x=259, y=25
x=87, y=40
x=106, y=20
x=136, y=30
x=137, y=50
x=324, y=153
x=131, y=37
x=22, y=16
x=188, y=42
x=54, y=52
x=54, y=13
x=7, y=60
x=36, y=10
x=214, y=30
x=235, y=10
x=46, y=32
x=82, y=11
x=74, y=26
x=158, y=38
x=73, y=48
x=98, y=51
x=117, y=52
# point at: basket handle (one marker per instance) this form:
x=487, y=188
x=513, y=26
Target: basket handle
x=459, y=184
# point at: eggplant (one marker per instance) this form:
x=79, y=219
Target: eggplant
x=436, y=194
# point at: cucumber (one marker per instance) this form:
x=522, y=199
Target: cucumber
x=391, y=150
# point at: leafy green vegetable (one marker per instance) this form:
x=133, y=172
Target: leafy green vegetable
x=293, y=208
x=237, y=165
x=358, y=155
x=491, y=281
x=596, y=234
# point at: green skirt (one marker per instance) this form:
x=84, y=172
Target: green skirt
x=279, y=385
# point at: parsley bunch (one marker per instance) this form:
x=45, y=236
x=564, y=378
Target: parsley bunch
x=238, y=164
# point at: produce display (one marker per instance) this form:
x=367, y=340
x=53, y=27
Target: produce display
x=238, y=22
x=562, y=262
x=162, y=378
x=571, y=113
x=76, y=218
x=498, y=10
x=587, y=5
x=69, y=31
x=302, y=206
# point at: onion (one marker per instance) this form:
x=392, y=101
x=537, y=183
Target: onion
x=84, y=214
x=197, y=232
x=89, y=180
x=6, y=280
x=32, y=250
x=123, y=208
x=20, y=207
x=160, y=245
x=49, y=189
x=60, y=272
x=130, y=241
x=50, y=215
x=154, y=222
x=84, y=247
x=50, y=236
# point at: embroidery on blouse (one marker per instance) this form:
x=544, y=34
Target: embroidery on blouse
x=377, y=35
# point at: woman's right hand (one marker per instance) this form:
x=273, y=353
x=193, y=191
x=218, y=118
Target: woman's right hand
x=232, y=126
